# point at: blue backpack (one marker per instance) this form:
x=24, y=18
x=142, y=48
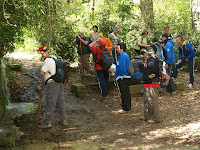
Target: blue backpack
x=61, y=71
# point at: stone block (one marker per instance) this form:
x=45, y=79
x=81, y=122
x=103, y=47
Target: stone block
x=90, y=78
x=179, y=85
x=78, y=89
x=135, y=89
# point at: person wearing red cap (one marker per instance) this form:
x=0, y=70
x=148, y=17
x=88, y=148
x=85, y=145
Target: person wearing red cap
x=102, y=75
x=54, y=91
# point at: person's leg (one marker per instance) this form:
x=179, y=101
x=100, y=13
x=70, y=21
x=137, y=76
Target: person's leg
x=125, y=94
x=114, y=54
x=156, y=111
x=51, y=100
x=106, y=75
x=191, y=69
x=177, y=67
x=102, y=82
x=79, y=64
x=171, y=86
x=61, y=102
x=148, y=104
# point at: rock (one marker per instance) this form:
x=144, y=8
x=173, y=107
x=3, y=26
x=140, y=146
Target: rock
x=179, y=85
x=134, y=89
x=91, y=78
x=9, y=136
x=78, y=89
x=15, y=67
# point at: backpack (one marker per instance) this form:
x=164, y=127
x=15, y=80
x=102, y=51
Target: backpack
x=163, y=75
x=106, y=59
x=61, y=71
x=193, y=46
x=159, y=52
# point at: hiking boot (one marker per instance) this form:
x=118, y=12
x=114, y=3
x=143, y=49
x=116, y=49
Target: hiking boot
x=45, y=126
x=190, y=85
x=150, y=121
x=64, y=125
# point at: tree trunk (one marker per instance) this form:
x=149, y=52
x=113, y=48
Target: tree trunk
x=147, y=13
x=195, y=13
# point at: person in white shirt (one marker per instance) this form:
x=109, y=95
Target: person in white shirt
x=54, y=91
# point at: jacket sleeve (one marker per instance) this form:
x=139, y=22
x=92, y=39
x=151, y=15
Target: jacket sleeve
x=180, y=52
x=93, y=49
x=168, y=52
x=192, y=53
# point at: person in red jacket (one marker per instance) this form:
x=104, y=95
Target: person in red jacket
x=102, y=75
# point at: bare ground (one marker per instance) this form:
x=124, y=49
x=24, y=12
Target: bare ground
x=95, y=124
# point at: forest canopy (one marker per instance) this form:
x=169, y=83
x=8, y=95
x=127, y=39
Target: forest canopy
x=25, y=25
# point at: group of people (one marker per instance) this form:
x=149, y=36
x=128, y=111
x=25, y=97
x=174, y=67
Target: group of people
x=145, y=64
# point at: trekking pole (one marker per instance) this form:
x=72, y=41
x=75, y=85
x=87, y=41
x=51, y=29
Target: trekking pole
x=81, y=57
x=116, y=84
x=40, y=101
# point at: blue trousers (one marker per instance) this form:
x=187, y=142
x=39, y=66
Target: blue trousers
x=190, y=64
x=103, y=77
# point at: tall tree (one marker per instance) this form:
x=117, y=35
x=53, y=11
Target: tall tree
x=147, y=13
x=195, y=13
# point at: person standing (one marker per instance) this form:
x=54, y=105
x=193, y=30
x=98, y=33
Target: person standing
x=102, y=74
x=83, y=51
x=152, y=87
x=169, y=48
x=141, y=43
x=108, y=42
x=122, y=76
x=158, y=49
x=54, y=91
x=170, y=36
x=94, y=35
x=115, y=39
x=117, y=24
x=185, y=48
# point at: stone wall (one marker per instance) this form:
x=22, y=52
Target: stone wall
x=2, y=89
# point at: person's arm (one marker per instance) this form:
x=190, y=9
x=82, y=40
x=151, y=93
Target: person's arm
x=192, y=53
x=42, y=72
x=139, y=42
x=92, y=44
x=168, y=52
x=74, y=42
x=82, y=41
x=180, y=53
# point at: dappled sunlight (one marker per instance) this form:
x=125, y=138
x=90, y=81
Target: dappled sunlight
x=180, y=132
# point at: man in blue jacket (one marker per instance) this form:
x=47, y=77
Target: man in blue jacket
x=169, y=48
x=122, y=76
x=185, y=48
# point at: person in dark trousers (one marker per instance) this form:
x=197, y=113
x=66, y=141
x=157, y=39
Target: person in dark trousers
x=185, y=48
x=169, y=48
x=54, y=91
x=122, y=76
x=102, y=75
x=152, y=87
x=138, y=66
x=83, y=52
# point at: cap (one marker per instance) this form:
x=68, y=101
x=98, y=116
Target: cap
x=100, y=34
x=102, y=43
x=43, y=48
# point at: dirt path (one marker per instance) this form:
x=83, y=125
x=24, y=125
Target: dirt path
x=95, y=124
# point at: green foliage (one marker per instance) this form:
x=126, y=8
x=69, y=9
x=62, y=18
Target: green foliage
x=27, y=25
